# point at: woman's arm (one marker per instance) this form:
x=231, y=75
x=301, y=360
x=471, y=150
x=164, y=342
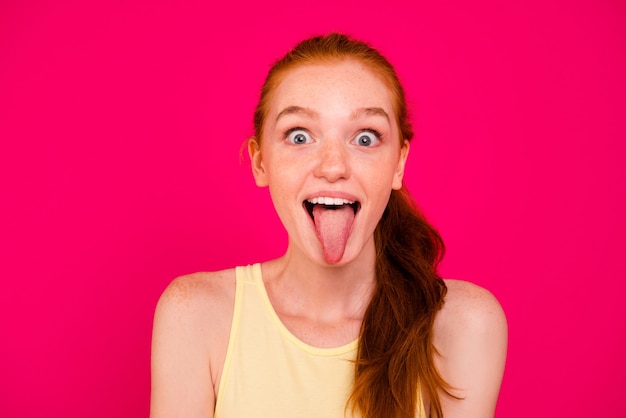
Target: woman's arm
x=190, y=335
x=471, y=337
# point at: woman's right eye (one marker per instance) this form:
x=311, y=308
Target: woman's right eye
x=299, y=137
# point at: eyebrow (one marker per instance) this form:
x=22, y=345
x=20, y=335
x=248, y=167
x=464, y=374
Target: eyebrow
x=369, y=111
x=359, y=113
x=298, y=110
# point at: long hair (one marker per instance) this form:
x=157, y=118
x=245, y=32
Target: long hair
x=395, y=356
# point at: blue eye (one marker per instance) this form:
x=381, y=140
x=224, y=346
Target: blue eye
x=299, y=137
x=367, y=138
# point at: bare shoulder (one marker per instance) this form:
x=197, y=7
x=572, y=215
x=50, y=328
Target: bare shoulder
x=197, y=309
x=189, y=340
x=467, y=304
x=199, y=293
x=470, y=335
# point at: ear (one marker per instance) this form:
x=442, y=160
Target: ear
x=258, y=169
x=399, y=174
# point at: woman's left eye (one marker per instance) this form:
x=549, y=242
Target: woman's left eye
x=367, y=138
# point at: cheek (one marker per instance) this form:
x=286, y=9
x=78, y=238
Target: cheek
x=282, y=179
x=383, y=170
x=381, y=180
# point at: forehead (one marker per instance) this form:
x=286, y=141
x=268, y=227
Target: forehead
x=331, y=87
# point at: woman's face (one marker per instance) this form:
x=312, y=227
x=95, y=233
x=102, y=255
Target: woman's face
x=330, y=154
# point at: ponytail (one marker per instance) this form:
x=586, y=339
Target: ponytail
x=395, y=354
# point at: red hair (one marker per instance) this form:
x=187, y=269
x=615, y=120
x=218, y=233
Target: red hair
x=395, y=357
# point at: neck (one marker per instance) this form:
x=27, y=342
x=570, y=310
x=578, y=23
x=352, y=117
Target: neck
x=320, y=291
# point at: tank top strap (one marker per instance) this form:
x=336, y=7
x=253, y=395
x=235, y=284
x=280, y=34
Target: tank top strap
x=250, y=274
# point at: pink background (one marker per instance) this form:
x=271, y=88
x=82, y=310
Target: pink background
x=121, y=124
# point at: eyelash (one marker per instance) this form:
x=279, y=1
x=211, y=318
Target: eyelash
x=377, y=134
x=291, y=130
x=374, y=132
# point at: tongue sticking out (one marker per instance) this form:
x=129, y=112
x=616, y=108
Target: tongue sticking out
x=333, y=228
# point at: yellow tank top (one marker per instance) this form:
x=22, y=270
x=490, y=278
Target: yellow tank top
x=270, y=373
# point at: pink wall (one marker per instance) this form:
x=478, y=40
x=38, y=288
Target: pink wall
x=120, y=130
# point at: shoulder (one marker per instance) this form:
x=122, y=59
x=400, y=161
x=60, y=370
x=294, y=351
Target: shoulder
x=198, y=292
x=190, y=334
x=470, y=335
x=198, y=304
x=469, y=305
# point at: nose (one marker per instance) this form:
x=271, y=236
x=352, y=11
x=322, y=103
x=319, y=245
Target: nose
x=333, y=162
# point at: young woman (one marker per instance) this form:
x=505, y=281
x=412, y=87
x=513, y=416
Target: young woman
x=353, y=320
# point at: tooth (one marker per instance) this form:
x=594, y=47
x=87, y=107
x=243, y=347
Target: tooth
x=330, y=201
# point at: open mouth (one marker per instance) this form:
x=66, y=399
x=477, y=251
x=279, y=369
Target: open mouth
x=331, y=203
x=333, y=218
